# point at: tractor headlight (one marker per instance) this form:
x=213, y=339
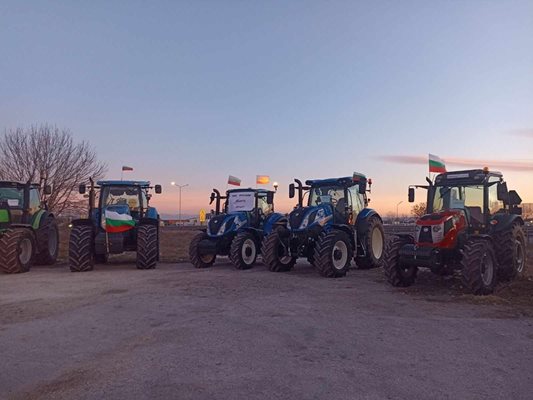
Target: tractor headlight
x=437, y=228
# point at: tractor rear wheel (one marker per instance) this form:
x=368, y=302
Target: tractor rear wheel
x=80, y=248
x=333, y=253
x=275, y=253
x=510, y=246
x=17, y=249
x=243, y=251
x=374, y=242
x=398, y=275
x=198, y=260
x=479, y=266
x=48, y=243
x=147, y=246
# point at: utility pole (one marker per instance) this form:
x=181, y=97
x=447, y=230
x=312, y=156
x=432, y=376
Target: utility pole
x=397, y=215
x=179, y=201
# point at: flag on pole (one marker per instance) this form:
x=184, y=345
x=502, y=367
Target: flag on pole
x=262, y=179
x=233, y=180
x=116, y=222
x=126, y=168
x=436, y=164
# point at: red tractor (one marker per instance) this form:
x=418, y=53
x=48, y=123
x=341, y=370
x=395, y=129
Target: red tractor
x=472, y=224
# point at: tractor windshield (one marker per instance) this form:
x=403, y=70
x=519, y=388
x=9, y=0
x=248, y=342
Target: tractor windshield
x=12, y=195
x=466, y=198
x=121, y=195
x=326, y=194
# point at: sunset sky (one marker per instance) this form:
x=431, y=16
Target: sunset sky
x=195, y=91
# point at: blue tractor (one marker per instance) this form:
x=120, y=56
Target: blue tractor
x=334, y=227
x=238, y=231
x=121, y=221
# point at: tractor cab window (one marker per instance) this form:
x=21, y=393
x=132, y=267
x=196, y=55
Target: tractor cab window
x=263, y=206
x=494, y=204
x=466, y=198
x=356, y=200
x=14, y=197
x=121, y=195
x=240, y=201
x=144, y=199
x=35, y=201
x=334, y=195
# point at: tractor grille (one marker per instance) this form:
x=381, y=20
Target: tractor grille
x=425, y=235
x=215, y=223
x=296, y=217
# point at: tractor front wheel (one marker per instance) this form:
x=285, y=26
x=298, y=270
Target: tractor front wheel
x=147, y=247
x=197, y=259
x=479, y=266
x=396, y=274
x=276, y=254
x=17, y=249
x=80, y=248
x=374, y=243
x=510, y=246
x=243, y=251
x=48, y=243
x=333, y=252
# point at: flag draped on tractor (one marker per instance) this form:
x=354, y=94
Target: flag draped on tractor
x=233, y=180
x=436, y=164
x=116, y=222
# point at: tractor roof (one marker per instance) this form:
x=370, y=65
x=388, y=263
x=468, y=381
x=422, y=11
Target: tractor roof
x=259, y=191
x=16, y=184
x=344, y=181
x=123, y=183
x=465, y=177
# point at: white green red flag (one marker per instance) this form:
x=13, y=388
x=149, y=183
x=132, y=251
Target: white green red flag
x=116, y=222
x=436, y=164
x=126, y=168
x=262, y=179
x=233, y=180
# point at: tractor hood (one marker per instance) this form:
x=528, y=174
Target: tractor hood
x=225, y=223
x=306, y=217
x=432, y=229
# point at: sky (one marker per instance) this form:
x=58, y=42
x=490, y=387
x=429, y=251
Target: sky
x=194, y=91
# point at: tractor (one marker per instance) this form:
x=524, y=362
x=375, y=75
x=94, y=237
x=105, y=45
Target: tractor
x=334, y=227
x=28, y=230
x=473, y=224
x=121, y=221
x=248, y=216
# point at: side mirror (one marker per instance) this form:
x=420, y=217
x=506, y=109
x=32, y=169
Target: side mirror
x=503, y=193
x=291, y=191
x=158, y=189
x=47, y=190
x=362, y=187
x=411, y=195
x=82, y=189
x=270, y=197
x=514, y=198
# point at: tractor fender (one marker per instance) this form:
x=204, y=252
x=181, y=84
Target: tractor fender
x=362, y=219
x=149, y=221
x=257, y=233
x=40, y=217
x=505, y=221
x=151, y=213
x=273, y=221
x=80, y=222
x=345, y=228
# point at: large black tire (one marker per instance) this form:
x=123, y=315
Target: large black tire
x=48, y=246
x=200, y=261
x=147, y=246
x=479, y=266
x=333, y=253
x=273, y=252
x=17, y=250
x=396, y=274
x=510, y=246
x=374, y=242
x=80, y=248
x=244, y=250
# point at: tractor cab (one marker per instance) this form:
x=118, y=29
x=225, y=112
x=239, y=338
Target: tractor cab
x=330, y=201
x=22, y=201
x=471, y=201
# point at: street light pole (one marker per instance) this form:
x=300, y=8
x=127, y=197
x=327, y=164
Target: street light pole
x=397, y=215
x=179, y=201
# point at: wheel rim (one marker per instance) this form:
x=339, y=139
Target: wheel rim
x=248, y=251
x=520, y=259
x=487, y=269
x=25, y=254
x=377, y=243
x=339, y=255
x=207, y=258
x=52, y=242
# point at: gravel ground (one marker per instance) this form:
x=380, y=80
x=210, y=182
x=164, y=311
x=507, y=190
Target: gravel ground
x=181, y=333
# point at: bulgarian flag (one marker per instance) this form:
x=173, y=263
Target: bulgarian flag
x=126, y=168
x=262, y=179
x=233, y=180
x=115, y=222
x=436, y=164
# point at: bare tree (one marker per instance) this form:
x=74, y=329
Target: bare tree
x=49, y=152
x=418, y=210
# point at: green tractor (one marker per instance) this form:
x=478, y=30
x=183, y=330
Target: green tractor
x=28, y=231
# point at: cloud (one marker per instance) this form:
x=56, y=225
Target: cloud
x=504, y=165
x=522, y=132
